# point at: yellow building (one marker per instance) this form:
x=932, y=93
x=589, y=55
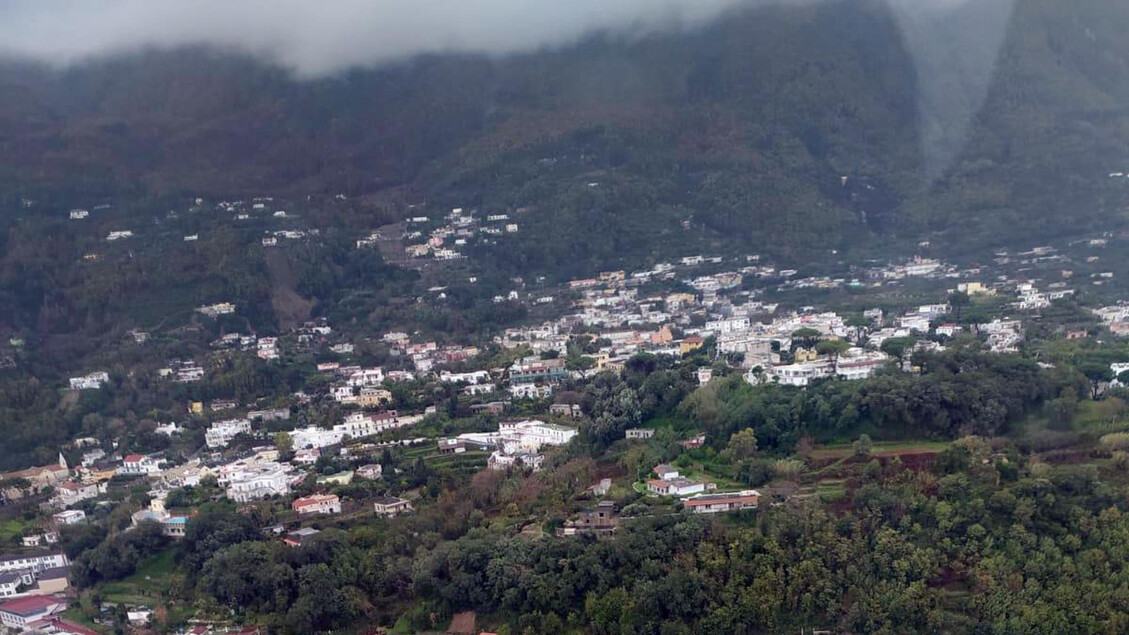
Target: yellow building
x=806, y=355
x=618, y=364
x=99, y=476
x=690, y=344
x=196, y=408
x=374, y=398
x=975, y=288
x=601, y=360
x=613, y=276
x=676, y=300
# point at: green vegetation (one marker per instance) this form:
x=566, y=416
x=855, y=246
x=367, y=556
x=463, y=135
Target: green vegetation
x=153, y=579
x=12, y=529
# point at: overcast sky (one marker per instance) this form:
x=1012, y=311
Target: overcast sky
x=315, y=38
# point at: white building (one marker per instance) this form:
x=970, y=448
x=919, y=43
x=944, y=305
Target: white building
x=724, y=502
x=11, y=582
x=949, y=330
x=189, y=373
x=675, y=487
x=35, y=562
x=531, y=391
x=215, y=310
x=371, y=471
x=532, y=433
x=728, y=325
x=93, y=381
x=69, y=517
x=222, y=432
x=1117, y=368
x=704, y=376
x=139, y=465
x=859, y=364
x=314, y=437
x=922, y=267
x=168, y=429
x=344, y=394
x=501, y=460
x=71, y=493
x=255, y=482
x=800, y=374
x=18, y=614
x=474, y=390
x=472, y=378
x=366, y=377
x=391, y=506
x=359, y=424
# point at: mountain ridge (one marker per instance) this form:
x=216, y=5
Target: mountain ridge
x=744, y=129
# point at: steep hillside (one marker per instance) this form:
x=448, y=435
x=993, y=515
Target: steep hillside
x=734, y=136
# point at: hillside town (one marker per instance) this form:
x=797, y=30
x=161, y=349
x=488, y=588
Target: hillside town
x=384, y=412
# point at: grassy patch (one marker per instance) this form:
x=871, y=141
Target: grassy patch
x=12, y=529
x=471, y=458
x=831, y=490
x=701, y=471
x=152, y=580
x=883, y=449
x=1102, y=417
x=75, y=616
x=401, y=627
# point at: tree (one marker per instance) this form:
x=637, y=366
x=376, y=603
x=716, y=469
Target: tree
x=1098, y=374
x=209, y=532
x=832, y=348
x=860, y=324
x=248, y=576
x=284, y=443
x=898, y=347
x=862, y=446
x=743, y=444
x=805, y=337
x=788, y=469
x=1064, y=408
x=958, y=300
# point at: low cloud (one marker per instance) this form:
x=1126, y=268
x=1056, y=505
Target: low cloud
x=316, y=38
x=954, y=42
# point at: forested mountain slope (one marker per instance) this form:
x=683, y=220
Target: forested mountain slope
x=743, y=129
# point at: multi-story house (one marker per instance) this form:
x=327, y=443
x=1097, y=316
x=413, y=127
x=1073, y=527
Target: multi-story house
x=139, y=465
x=317, y=504
x=222, y=432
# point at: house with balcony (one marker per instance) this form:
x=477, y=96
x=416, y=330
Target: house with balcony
x=139, y=465
x=317, y=504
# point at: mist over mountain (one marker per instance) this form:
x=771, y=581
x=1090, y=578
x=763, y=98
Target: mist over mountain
x=317, y=40
x=778, y=125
